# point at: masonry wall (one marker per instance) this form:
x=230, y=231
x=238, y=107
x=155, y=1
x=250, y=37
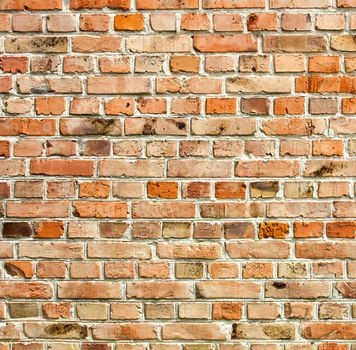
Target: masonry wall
x=177, y=174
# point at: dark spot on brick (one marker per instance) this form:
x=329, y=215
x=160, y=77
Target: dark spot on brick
x=236, y=332
x=279, y=285
x=61, y=329
x=13, y=270
x=325, y=170
x=180, y=125
x=48, y=41
x=278, y=332
x=40, y=89
x=49, y=65
x=16, y=229
x=238, y=230
x=310, y=127
x=103, y=126
x=309, y=191
x=95, y=346
x=75, y=212
x=266, y=186
x=148, y=128
x=252, y=19
x=142, y=101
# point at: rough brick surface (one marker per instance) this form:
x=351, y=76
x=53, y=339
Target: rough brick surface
x=177, y=175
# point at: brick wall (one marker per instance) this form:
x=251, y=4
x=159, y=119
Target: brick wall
x=177, y=174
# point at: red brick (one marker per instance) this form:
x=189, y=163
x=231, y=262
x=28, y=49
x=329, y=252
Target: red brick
x=230, y=189
x=213, y=4
x=125, y=331
x=289, y=105
x=296, y=22
x=159, y=290
x=5, y=84
x=262, y=21
x=191, y=251
x=104, y=43
x=89, y=290
x=26, y=290
x=220, y=106
x=227, y=22
x=294, y=43
x=94, y=209
x=337, y=331
x=162, y=189
x=308, y=229
x=31, y=5
x=26, y=23
x=188, y=64
x=99, y=4
x=193, y=331
x=62, y=167
x=165, y=5
x=94, y=23
x=5, y=22
x=61, y=23
x=10, y=64
x=50, y=105
x=227, y=289
x=195, y=21
x=342, y=229
x=324, y=64
x=116, y=85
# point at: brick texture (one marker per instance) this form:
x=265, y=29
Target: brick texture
x=177, y=175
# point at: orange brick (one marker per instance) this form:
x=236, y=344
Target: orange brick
x=220, y=106
x=324, y=64
x=162, y=189
x=132, y=22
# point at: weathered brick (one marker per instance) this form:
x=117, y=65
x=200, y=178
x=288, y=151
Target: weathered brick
x=130, y=331
x=157, y=43
x=227, y=289
x=260, y=250
x=62, y=167
x=225, y=43
x=296, y=290
x=266, y=84
x=102, y=85
x=263, y=331
x=89, y=290
x=294, y=43
x=192, y=251
x=193, y=331
x=10, y=64
x=159, y=290
x=55, y=250
x=26, y=290
x=36, y=44
x=163, y=209
x=333, y=331
x=296, y=22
